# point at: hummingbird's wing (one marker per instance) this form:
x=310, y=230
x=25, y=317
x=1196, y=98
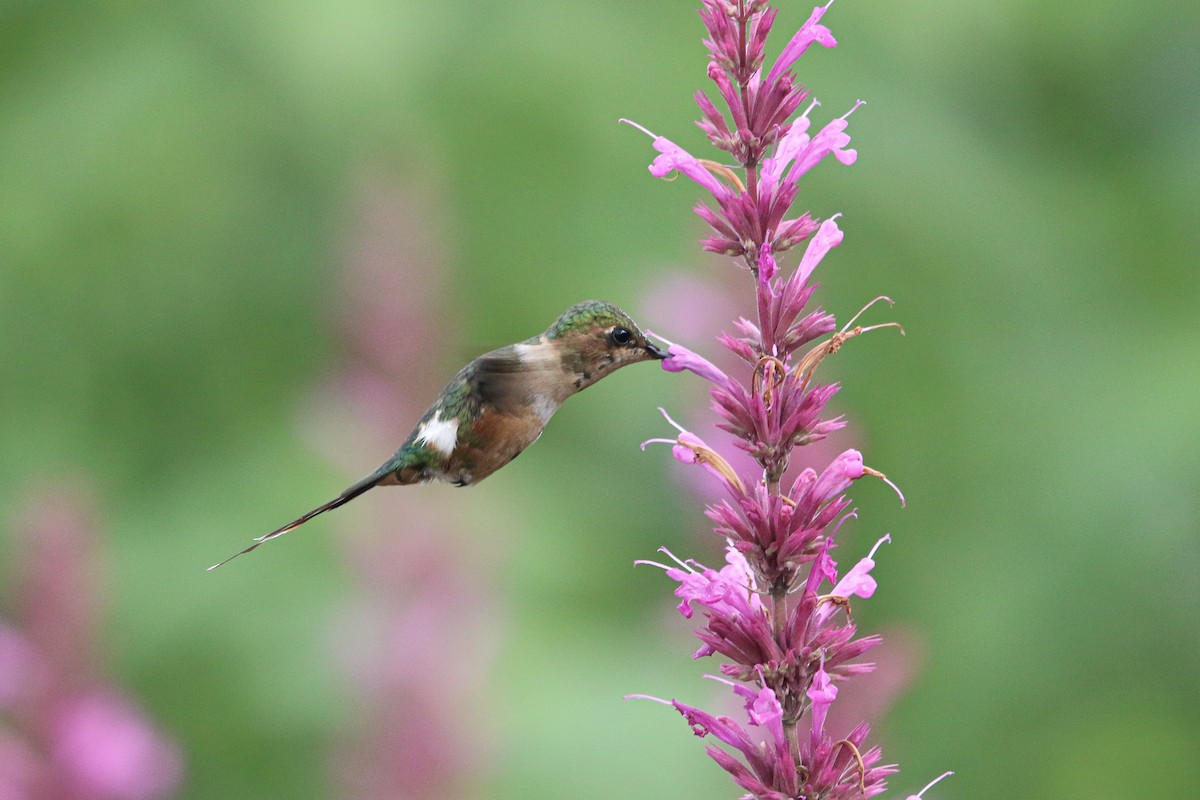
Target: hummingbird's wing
x=497, y=380
x=506, y=380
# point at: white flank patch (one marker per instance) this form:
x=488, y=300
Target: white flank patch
x=545, y=407
x=439, y=434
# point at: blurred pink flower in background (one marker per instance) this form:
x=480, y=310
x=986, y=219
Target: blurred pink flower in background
x=67, y=732
x=420, y=632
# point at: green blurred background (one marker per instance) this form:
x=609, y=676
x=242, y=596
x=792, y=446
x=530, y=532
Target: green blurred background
x=181, y=183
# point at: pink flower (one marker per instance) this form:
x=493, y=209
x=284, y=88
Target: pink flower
x=675, y=159
x=729, y=592
x=858, y=580
x=107, y=748
x=689, y=448
x=822, y=693
x=769, y=770
x=80, y=737
x=828, y=236
x=811, y=31
x=680, y=358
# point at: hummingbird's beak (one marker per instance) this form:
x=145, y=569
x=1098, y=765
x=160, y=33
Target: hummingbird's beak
x=656, y=351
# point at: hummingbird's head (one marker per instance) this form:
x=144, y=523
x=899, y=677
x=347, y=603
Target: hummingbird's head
x=593, y=338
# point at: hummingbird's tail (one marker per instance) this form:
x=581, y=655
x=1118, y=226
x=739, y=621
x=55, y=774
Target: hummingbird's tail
x=354, y=491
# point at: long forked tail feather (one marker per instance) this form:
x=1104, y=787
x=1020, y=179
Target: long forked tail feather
x=354, y=491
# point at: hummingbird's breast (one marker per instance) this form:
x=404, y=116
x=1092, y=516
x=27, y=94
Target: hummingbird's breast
x=492, y=440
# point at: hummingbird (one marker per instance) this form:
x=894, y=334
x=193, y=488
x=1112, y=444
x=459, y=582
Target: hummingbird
x=499, y=403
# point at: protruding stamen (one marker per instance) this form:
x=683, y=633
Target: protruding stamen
x=862, y=310
x=688, y=565
x=930, y=785
x=639, y=127
x=674, y=424
x=857, y=103
x=877, y=474
x=719, y=679
x=887, y=537
x=648, y=697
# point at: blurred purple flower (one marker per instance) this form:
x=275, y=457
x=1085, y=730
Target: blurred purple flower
x=65, y=731
x=416, y=733
x=109, y=749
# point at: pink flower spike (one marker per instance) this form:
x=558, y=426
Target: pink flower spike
x=919, y=795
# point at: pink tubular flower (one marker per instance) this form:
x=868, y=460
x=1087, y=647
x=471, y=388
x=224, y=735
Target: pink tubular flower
x=858, y=581
x=736, y=620
x=675, y=159
x=733, y=586
x=689, y=448
x=768, y=771
x=811, y=31
x=767, y=267
x=830, y=139
x=822, y=693
x=680, y=358
x=829, y=236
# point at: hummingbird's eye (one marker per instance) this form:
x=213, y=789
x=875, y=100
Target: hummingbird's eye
x=620, y=336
